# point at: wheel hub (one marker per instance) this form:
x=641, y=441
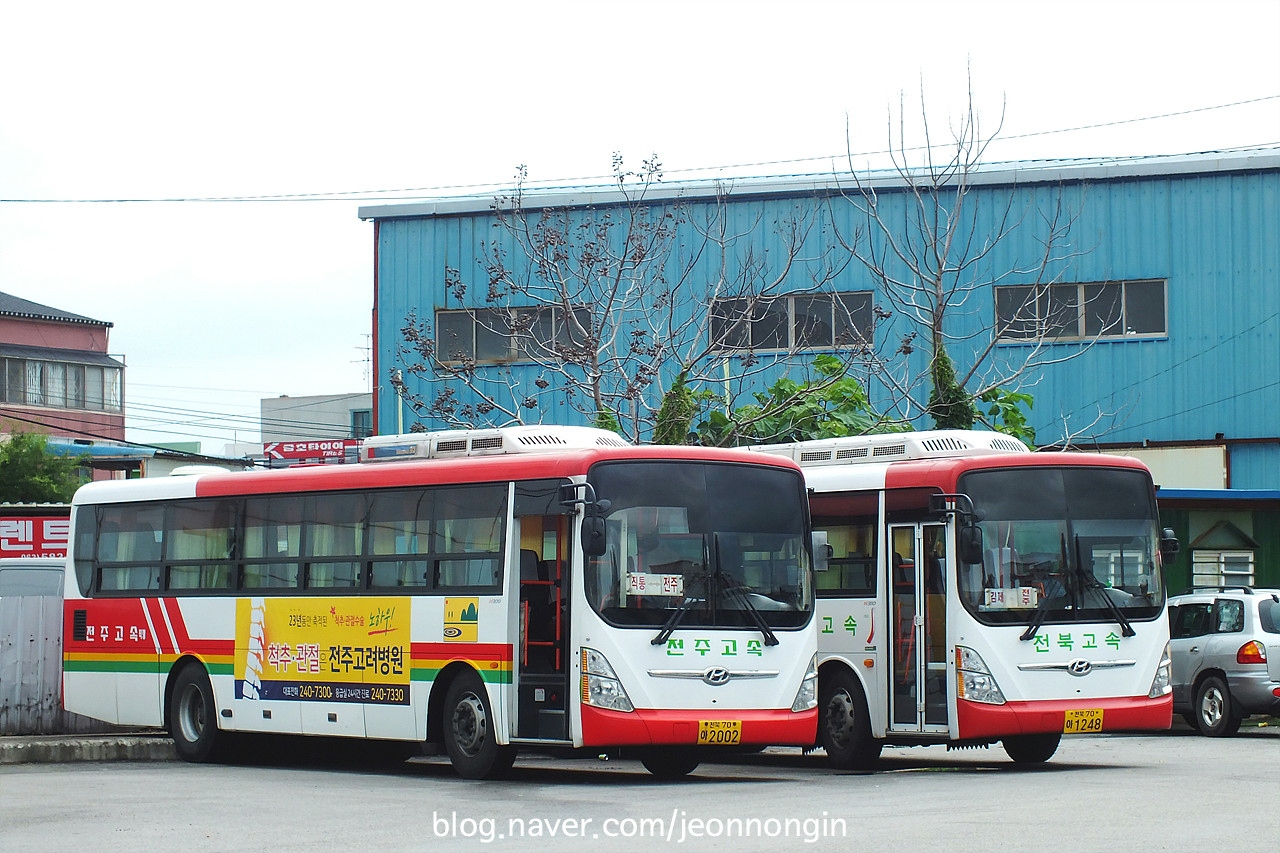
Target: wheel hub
x=840, y=720
x=1211, y=707
x=191, y=718
x=470, y=725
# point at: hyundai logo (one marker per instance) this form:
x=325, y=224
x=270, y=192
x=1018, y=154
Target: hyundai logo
x=716, y=676
x=1080, y=666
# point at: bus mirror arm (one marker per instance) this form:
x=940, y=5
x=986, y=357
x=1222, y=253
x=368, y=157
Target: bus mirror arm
x=1168, y=545
x=593, y=527
x=969, y=535
x=944, y=505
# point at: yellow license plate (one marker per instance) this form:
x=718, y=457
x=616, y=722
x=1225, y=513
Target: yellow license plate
x=1082, y=721
x=719, y=732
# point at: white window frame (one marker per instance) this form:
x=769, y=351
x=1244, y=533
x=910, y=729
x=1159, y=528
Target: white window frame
x=729, y=334
x=1068, y=311
x=1214, y=568
x=527, y=345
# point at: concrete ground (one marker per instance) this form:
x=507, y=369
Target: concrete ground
x=123, y=746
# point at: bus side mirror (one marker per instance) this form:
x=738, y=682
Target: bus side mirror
x=593, y=535
x=822, y=552
x=1168, y=545
x=970, y=544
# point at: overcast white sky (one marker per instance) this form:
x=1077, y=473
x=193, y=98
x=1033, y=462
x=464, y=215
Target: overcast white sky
x=217, y=304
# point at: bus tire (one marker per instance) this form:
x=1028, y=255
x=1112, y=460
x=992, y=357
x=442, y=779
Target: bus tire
x=844, y=725
x=470, y=738
x=1032, y=749
x=193, y=716
x=1215, y=716
x=670, y=762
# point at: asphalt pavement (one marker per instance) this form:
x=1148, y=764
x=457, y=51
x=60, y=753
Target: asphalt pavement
x=156, y=745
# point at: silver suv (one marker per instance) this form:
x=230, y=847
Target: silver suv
x=1225, y=644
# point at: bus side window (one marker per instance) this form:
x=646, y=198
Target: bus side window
x=851, y=568
x=129, y=548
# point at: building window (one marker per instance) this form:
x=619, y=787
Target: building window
x=810, y=321
x=496, y=335
x=361, y=423
x=1098, y=310
x=60, y=385
x=1221, y=568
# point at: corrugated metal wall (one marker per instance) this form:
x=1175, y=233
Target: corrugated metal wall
x=31, y=670
x=1211, y=237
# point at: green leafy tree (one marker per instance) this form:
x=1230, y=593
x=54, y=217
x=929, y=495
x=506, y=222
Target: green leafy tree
x=29, y=473
x=832, y=404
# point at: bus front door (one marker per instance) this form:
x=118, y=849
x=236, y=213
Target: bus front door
x=917, y=614
x=542, y=680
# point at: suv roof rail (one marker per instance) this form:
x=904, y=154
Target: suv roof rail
x=1247, y=590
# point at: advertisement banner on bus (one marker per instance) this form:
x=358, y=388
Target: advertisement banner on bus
x=330, y=650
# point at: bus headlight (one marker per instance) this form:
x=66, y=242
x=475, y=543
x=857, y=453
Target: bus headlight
x=807, y=695
x=600, y=685
x=1160, y=685
x=973, y=680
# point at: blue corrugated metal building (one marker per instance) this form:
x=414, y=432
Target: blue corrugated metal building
x=1169, y=272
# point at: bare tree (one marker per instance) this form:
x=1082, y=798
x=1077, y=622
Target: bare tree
x=634, y=314
x=933, y=256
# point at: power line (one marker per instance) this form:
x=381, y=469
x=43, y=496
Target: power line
x=15, y=416
x=397, y=194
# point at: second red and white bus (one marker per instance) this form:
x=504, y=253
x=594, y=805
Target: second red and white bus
x=477, y=592
x=980, y=593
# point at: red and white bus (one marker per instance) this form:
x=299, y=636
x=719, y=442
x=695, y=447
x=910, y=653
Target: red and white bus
x=475, y=591
x=978, y=592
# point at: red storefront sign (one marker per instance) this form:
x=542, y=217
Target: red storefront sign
x=310, y=449
x=34, y=536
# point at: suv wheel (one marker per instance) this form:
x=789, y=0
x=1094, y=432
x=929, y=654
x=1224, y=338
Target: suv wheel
x=1214, y=714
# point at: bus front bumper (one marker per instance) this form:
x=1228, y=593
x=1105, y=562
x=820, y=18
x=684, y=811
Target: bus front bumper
x=1127, y=713
x=649, y=726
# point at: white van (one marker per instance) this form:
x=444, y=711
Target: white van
x=31, y=576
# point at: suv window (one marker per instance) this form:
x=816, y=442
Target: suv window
x=1269, y=615
x=1190, y=620
x=1228, y=615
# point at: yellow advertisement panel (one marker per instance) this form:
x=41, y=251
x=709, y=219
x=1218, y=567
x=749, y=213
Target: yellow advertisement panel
x=323, y=650
x=461, y=622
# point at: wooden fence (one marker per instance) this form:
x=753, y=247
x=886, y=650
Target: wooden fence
x=31, y=670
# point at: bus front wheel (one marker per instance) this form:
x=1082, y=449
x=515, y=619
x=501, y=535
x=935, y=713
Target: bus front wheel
x=844, y=726
x=193, y=716
x=670, y=762
x=470, y=736
x=1032, y=749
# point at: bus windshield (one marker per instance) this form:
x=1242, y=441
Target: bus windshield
x=1060, y=545
x=697, y=545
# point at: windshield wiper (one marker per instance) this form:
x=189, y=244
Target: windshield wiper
x=1037, y=619
x=770, y=639
x=677, y=615
x=1089, y=581
x=731, y=585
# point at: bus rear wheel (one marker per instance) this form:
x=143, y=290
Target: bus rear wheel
x=193, y=716
x=670, y=762
x=470, y=736
x=1032, y=749
x=844, y=725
